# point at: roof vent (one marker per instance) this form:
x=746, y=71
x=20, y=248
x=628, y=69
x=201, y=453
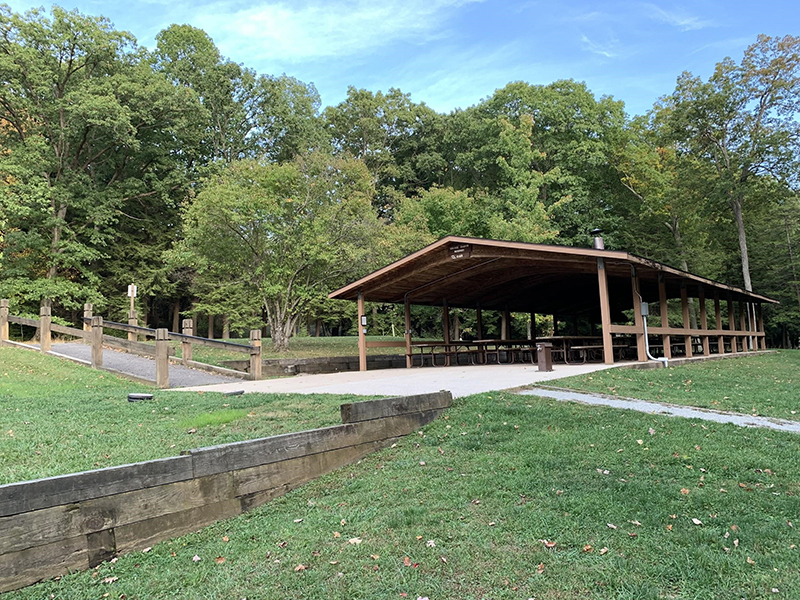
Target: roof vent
x=597, y=244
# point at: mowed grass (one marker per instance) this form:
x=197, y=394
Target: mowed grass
x=469, y=507
x=58, y=417
x=765, y=385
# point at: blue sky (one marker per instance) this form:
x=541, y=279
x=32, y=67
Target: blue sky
x=453, y=53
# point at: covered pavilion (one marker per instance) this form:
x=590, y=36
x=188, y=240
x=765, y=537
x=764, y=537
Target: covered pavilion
x=612, y=289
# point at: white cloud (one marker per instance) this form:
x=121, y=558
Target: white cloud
x=679, y=18
x=302, y=31
x=607, y=49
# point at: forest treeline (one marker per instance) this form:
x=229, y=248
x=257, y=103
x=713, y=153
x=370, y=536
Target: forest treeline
x=222, y=191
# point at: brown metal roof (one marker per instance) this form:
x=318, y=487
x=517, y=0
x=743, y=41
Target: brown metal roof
x=523, y=277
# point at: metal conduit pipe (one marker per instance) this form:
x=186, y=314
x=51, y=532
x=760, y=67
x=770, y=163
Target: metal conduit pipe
x=644, y=310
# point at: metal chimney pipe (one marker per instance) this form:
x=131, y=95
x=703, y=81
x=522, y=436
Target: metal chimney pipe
x=597, y=244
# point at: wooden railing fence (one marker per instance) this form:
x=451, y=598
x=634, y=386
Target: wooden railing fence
x=93, y=333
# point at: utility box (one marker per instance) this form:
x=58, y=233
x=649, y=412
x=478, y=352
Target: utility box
x=544, y=356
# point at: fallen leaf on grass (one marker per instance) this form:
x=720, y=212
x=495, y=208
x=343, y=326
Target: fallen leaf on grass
x=603, y=551
x=374, y=556
x=548, y=543
x=192, y=431
x=611, y=526
x=407, y=561
x=587, y=548
x=110, y=579
x=196, y=558
x=444, y=560
x=146, y=550
x=684, y=491
x=696, y=521
x=540, y=568
x=651, y=431
x=354, y=540
x=336, y=534
x=225, y=538
x=640, y=442
x=669, y=527
x=300, y=568
x=219, y=560
x=750, y=561
x=430, y=544
x=635, y=523
x=298, y=520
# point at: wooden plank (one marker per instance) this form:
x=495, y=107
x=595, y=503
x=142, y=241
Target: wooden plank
x=605, y=312
x=18, y=569
x=40, y=527
x=718, y=322
x=101, y=546
x=148, y=532
x=56, y=328
x=391, y=407
x=23, y=321
x=294, y=472
x=43, y=493
x=240, y=455
x=199, y=341
x=732, y=327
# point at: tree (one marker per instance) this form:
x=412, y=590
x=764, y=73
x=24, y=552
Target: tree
x=288, y=232
x=90, y=133
x=743, y=121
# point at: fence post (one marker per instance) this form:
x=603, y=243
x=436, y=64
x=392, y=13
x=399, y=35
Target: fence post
x=45, y=333
x=186, y=345
x=162, y=358
x=87, y=327
x=255, y=354
x=3, y=320
x=133, y=319
x=97, y=341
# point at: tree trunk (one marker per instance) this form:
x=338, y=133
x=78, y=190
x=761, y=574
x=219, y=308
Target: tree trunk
x=791, y=260
x=736, y=205
x=226, y=327
x=176, y=315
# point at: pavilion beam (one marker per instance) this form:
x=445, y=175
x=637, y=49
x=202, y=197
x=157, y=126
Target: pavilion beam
x=704, y=322
x=732, y=327
x=664, y=310
x=605, y=312
x=718, y=320
x=407, y=314
x=446, y=328
x=638, y=322
x=362, y=333
x=687, y=339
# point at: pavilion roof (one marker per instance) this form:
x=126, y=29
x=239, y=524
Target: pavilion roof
x=522, y=277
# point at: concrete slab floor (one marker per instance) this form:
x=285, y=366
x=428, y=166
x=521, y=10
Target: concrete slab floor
x=461, y=381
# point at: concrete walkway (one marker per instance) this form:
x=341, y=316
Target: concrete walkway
x=140, y=367
x=461, y=381
x=662, y=408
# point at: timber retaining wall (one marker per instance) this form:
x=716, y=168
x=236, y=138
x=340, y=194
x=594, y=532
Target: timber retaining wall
x=52, y=526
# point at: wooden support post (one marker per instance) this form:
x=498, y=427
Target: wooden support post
x=732, y=327
x=533, y=327
x=704, y=323
x=362, y=334
x=97, y=341
x=87, y=325
x=133, y=319
x=479, y=326
x=687, y=339
x=638, y=322
x=742, y=325
x=255, y=354
x=751, y=317
x=763, y=338
x=45, y=333
x=446, y=331
x=186, y=345
x=210, y=326
x=3, y=321
x=718, y=321
x=162, y=358
x=664, y=310
x=605, y=312
x=407, y=317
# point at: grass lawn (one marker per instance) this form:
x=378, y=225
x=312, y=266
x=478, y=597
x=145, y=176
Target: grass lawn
x=764, y=385
x=58, y=417
x=469, y=508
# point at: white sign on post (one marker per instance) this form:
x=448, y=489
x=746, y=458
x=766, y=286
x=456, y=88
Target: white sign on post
x=132, y=291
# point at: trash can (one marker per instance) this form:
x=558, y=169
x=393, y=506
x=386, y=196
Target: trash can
x=544, y=356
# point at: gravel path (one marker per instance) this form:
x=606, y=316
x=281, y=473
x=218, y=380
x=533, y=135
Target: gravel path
x=662, y=408
x=141, y=366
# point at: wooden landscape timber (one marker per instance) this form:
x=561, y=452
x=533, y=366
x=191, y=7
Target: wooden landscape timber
x=93, y=333
x=600, y=287
x=52, y=526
